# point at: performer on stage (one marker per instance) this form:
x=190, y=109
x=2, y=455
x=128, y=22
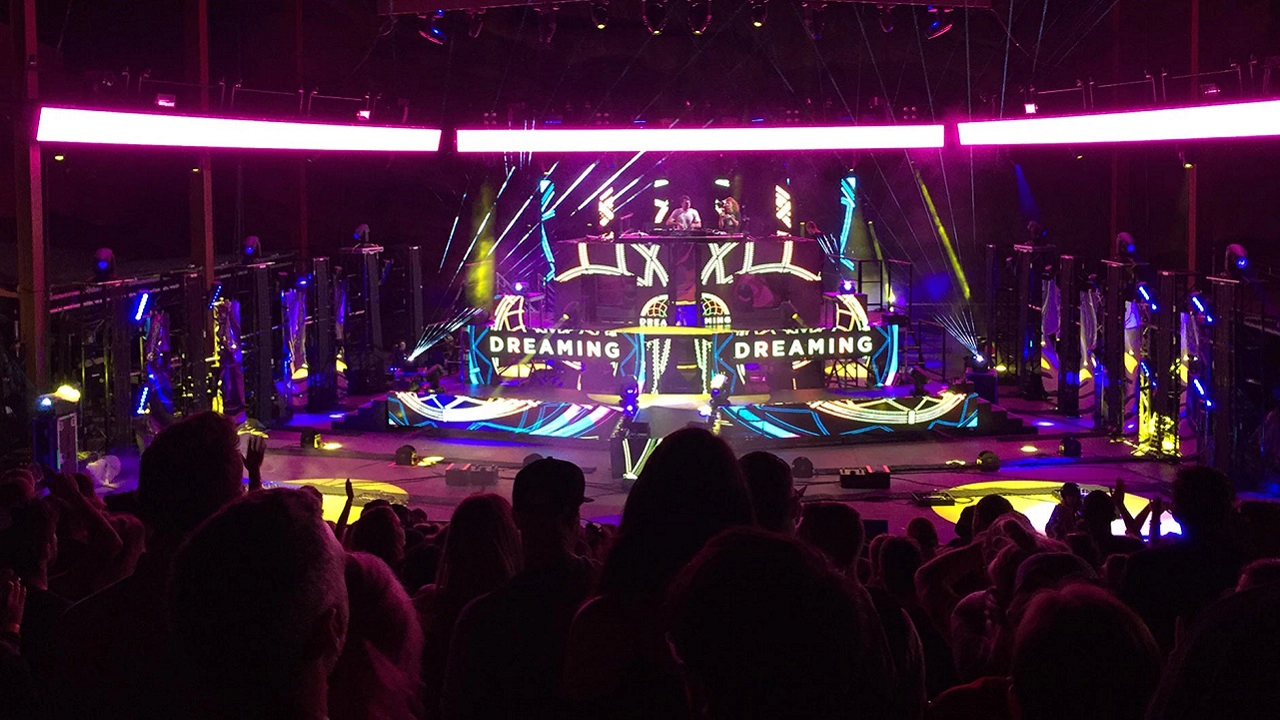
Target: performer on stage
x=686, y=218
x=730, y=215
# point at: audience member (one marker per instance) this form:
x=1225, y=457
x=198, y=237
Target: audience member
x=773, y=493
x=259, y=609
x=380, y=533
x=18, y=694
x=963, y=528
x=28, y=548
x=508, y=646
x=1080, y=653
x=616, y=663
x=761, y=627
x=1226, y=665
x=900, y=558
x=925, y=534
x=1098, y=512
x=835, y=530
x=1259, y=572
x=378, y=674
x=1065, y=518
x=112, y=657
x=1179, y=579
x=481, y=554
x=987, y=510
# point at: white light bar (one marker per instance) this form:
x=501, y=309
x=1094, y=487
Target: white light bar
x=103, y=127
x=741, y=139
x=1239, y=120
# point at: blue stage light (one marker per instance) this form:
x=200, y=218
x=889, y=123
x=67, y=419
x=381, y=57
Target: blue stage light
x=1148, y=297
x=141, y=309
x=215, y=295
x=141, y=407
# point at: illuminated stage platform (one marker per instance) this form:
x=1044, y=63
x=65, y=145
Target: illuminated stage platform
x=769, y=340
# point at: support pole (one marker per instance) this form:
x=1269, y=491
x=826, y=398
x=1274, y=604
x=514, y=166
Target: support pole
x=201, y=183
x=1192, y=172
x=1111, y=377
x=33, y=290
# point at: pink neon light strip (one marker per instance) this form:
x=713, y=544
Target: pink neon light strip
x=1241, y=120
x=889, y=137
x=102, y=127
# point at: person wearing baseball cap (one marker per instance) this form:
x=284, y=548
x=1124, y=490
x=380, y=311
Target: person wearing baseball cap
x=508, y=646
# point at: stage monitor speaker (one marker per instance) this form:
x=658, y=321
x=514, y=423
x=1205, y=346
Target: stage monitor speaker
x=865, y=478
x=469, y=474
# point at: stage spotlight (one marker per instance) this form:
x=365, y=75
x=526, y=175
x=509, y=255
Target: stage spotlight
x=475, y=23
x=654, y=14
x=918, y=382
x=140, y=310
x=980, y=362
x=361, y=234
x=1201, y=307
x=600, y=14
x=1069, y=447
x=988, y=461
x=886, y=18
x=941, y=23
x=104, y=265
x=1202, y=392
x=546, y=24
x=1237, y=261
x=67, y=393
x=811, y=18
x=1030, y=108
x=530, y=459
x=406, y=456
x=699, y=16
x=847, y=286
x=1146, y=295
x=250, y=250
x=1125, y=248
x=432, y=31
x=802, y=468
x=759, y=12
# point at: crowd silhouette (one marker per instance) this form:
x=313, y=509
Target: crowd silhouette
x=722, y=593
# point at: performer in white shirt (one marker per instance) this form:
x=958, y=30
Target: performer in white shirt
x=686, y=218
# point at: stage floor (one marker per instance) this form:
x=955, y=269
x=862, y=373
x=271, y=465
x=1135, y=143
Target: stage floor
x=1030, y=468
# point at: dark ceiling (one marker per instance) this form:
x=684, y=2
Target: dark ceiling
x=733, y=70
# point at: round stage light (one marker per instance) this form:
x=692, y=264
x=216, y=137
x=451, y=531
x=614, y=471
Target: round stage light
x=802, y=468
x=406, y=456
x=1070, y=447
x=988, y=461
x=1036, y=499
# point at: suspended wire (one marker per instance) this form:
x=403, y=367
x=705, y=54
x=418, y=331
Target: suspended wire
x=1008, y=36
x=1044, y=12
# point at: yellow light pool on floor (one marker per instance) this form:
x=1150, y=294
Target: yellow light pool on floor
x=1030, y=449
x=331, y=446
x=333, y=493
x=1035, y=499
